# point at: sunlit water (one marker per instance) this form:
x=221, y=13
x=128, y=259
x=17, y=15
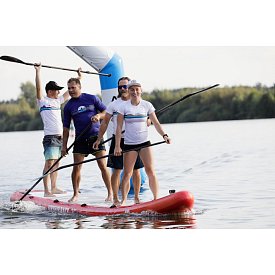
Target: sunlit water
x=228, y=166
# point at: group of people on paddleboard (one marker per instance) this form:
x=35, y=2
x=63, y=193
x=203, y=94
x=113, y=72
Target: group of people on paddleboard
x=130, y=145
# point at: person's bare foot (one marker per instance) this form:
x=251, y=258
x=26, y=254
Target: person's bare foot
x=123, y=203
x=137, y=201
x=116, y=202
x=48, y=195
x=58, y=191
x=109, y=198
x=73, y=199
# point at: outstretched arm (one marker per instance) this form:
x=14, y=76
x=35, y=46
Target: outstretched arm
x=38, y=85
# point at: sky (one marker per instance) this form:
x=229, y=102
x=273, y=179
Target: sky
x=156, y=67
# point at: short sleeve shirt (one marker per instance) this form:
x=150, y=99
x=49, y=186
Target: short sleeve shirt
x=80, y=110
x=112, y=109
x=135, y=117
x=50, y=111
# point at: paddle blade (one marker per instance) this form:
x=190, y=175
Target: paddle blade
x=11, y=59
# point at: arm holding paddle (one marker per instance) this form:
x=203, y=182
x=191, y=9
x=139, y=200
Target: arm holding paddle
x=159, y=128
x=120, y=119
x=103, y=127
x=64, y=150
x=98, y=116
x=66, y=95
x=38, y=81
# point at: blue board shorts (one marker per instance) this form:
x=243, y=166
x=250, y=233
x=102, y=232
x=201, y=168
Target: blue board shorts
x=52, y=147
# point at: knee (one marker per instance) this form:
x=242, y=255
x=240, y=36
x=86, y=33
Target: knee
x=49, y=164
x=150, y=171
x=102, y=166
x=127, y=175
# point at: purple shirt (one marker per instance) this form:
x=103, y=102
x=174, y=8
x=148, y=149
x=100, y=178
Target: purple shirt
x=80, y=110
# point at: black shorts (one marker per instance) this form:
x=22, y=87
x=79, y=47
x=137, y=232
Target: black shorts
x=116, y=162
x=85, y=146
x=135, y=146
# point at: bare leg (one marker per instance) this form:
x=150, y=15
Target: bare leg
x=76, y=176
x=115, y=180
x=129, y=160
x=102, y=164
x=46, y=179
x=137, y=183
x=54, y=189
x=147, y=159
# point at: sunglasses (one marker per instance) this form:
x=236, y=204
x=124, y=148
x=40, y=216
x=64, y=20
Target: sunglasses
x=125, y=87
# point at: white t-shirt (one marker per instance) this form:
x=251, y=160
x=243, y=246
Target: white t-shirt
x=112, y=109
x=135, y=117
x=50, y=111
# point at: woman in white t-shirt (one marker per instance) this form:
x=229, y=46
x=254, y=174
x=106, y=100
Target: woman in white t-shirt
x=134, y=113
x=116, y=162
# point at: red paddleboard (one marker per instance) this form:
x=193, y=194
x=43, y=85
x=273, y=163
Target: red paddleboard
x=174, y=203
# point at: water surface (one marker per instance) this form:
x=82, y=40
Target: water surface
x=227, y=165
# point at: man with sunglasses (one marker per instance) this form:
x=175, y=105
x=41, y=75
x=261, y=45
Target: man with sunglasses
x=116, y=162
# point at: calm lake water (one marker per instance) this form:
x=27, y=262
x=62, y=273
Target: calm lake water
x=228, y=166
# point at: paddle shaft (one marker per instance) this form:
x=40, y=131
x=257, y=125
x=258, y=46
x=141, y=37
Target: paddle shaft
x=47, y=172
x=102, y=157
x=16, y=60
x=172, y=104
x=183, y=98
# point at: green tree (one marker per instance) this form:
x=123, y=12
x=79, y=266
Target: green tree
x=28, y=91
x=226, y=103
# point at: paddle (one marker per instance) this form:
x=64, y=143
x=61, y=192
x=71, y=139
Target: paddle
x=47, y=172
x=183, y=98
x=172, y=104
x=16, y=60
x=106, y=156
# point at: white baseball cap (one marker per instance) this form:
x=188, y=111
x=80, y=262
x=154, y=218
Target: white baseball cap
x=133, y=83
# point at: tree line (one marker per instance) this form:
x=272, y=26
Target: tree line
x=225, y=103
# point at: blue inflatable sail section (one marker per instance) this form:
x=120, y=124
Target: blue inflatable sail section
x=115, y=68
